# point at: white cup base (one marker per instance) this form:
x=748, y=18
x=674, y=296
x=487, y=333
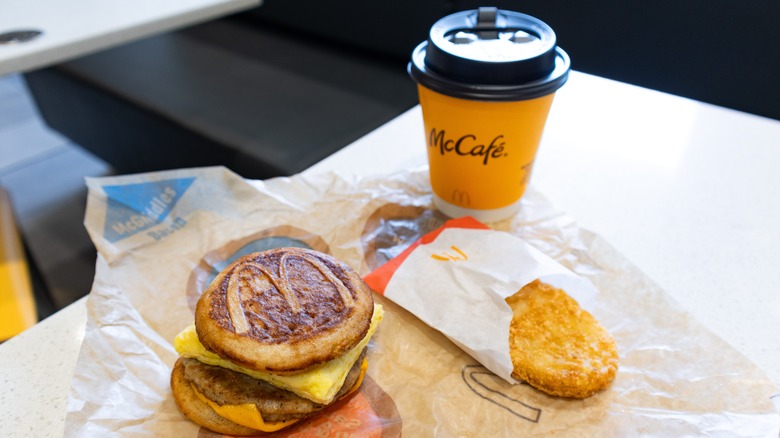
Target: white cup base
x=486, y=216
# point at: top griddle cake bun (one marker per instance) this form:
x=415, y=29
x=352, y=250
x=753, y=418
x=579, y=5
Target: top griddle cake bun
x=284, y=310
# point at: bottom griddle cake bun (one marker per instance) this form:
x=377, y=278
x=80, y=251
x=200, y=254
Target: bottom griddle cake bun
x=279, y=335
x=556, y=346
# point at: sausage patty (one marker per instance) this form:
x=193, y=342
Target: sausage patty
x=224, y=386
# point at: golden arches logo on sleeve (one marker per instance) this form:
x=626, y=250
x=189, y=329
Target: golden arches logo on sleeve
x=457, y=256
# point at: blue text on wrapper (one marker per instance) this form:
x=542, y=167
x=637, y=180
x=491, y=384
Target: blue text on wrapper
x=133, y=208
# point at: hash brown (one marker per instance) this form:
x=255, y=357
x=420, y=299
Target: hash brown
x=556, y=346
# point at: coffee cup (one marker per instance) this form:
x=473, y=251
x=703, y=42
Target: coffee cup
x=486, y=79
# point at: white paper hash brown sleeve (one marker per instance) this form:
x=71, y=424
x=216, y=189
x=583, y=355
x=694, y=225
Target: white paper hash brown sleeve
x=154, y=231
x=458, y=284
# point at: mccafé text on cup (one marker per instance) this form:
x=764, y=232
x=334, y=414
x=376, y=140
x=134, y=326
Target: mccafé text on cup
x=486, y=80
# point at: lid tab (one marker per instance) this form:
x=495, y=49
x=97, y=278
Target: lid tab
x=490, y=54
x=486, y=22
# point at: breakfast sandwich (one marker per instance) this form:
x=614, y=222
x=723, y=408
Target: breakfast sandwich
x=556, y=346
x=278, y=336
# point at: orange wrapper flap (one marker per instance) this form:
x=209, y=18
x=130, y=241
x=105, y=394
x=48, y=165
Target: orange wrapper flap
x=379, y=279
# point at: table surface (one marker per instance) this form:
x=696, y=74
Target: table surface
x=688, y=192
x=75, y=28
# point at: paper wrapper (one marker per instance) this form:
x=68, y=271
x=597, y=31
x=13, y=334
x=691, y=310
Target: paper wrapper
x=161, y=237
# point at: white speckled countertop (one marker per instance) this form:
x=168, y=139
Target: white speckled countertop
x=689, y=192
x=37, y=366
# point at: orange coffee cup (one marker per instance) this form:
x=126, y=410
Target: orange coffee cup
x=486, y=80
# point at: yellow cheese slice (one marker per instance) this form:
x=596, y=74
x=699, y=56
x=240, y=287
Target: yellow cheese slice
x=319, y=384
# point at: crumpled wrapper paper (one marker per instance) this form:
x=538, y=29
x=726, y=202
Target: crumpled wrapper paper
x=162, y=236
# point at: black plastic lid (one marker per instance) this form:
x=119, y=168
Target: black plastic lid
x=490, y=54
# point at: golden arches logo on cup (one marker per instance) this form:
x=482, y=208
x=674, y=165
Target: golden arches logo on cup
x=218, y=259
x=461, y=198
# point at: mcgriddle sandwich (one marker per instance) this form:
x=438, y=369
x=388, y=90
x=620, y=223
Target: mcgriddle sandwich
x=278, y=336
